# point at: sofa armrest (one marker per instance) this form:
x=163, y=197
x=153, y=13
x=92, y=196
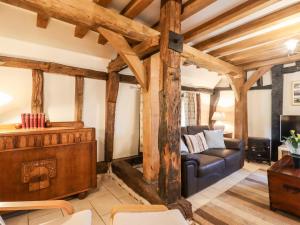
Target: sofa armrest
x=236, y=144
x=190, y=160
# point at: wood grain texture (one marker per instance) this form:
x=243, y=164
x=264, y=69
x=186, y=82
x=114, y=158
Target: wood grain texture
x=42, y=20
x=79, y=88
x=259, y=40
x=80, y=31
x=134, y=180
x=255, y=77
x=142, y=50
x=228, y=17
x=92, y=15
x=193, y=6
x=281, y=60
x=34, y=205
x=112, y=89
x=170, y=104
x=209, y=62
x=240, y=110
x=102, y=2
x=131, y=10
x=88, y=14
x=120, y=44
x=37, y=99
x=269, y=20
x=214, y=100
x=198, y=105
x=135, y=7
x=36, y=147
x=151, y=120
x=56, y=68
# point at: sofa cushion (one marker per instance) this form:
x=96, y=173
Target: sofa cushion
x=192, y=130
x=183, y=148
x=1, y=221
x=194, y=143
x=210, y=164
x=230, y=156
x=214, y=138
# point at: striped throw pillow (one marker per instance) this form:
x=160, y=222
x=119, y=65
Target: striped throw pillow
x=194, y=143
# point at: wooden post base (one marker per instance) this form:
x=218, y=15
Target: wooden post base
x=82, y=195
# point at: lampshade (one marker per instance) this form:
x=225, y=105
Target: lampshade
x=218, y=116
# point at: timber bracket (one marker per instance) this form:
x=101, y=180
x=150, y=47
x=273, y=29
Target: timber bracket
x=175, y=41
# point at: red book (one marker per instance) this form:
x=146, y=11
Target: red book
x=42, y=120
x=23, y=115
x=31, y=120
x=27, y=118
x=35, y=120
x=39, y=120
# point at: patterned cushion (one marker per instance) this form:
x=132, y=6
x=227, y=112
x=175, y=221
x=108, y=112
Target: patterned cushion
x=205, y=146
x=194, y=143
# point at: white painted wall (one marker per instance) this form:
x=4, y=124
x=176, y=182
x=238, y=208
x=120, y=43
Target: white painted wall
x=59, y=94
x=260, y=109
x=226, y=105
x=259, y=113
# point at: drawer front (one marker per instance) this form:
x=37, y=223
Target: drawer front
x=284, y=192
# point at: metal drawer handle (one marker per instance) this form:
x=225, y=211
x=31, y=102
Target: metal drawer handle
x=294, y=190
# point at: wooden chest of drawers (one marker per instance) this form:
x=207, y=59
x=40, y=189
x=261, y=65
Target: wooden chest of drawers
x=284, y=186
x=49, y=163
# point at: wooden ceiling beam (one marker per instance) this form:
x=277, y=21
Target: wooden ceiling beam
x=87, y=14
x=211, y=63
x=188, y=9
x=257, y=50
x=92, y=15
x=259, y=40
x=277, y=17
x=103, y=3
x=135, y=7
x=255, y=77
x=193, y=6
x=42, y=20
x=142, y=50
x=281, y=60
x=131, y=10
x=120, y=44
x=80, y=31
x=262, y=56
x=228, y=17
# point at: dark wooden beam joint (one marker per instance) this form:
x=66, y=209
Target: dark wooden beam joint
x=37, y=99
x=112, y=88
x=175, y=41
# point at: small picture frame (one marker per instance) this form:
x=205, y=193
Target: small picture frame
x=296, y=93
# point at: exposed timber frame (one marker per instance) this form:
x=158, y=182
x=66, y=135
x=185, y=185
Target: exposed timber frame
x=37, y=99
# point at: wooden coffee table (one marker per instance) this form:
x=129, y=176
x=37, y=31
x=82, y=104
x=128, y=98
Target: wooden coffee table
x=284, y=186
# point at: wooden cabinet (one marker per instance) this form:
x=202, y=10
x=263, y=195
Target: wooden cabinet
x=49, y=163
x=284, y=186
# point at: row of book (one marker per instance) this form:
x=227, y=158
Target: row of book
x=33, y=120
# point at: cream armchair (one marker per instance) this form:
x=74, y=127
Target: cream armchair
x=79, y=218
x=146, y=215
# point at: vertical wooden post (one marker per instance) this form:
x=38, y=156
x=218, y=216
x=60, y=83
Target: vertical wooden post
x=214, y=99
x=37, y=99
x=240, y=119
x=79, y=86
x=151, y=120
x=198, y=105
x=112, y=88
x=169, y=103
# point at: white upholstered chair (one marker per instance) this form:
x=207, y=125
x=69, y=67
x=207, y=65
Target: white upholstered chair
x=146, y=215
x=79, y=218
